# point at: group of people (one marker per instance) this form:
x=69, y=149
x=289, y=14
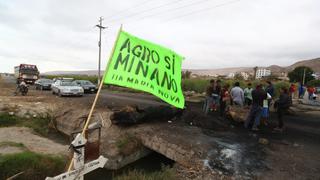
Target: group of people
x=258, y=99
x=302, y=90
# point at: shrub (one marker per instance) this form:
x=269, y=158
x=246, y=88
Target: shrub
x=314, y=83
x=279, y=85
x=198, y=85
x=35, y=166
x=38, y=124
x=7, y=120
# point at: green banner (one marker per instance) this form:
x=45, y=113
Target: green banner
x=142, y=65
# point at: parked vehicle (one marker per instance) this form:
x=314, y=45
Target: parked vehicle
x=29, y=73
x=63, y=79
x=43, y=84
x=87, y=86
x=66, y=88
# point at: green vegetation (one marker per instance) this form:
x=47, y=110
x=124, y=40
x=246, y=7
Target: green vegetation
x=198, y=85
x=297, y=74
x=13, y=144
x=38, y=124
x=314, y=83
x=166, y=173
x=186, y=74
x=35, y=166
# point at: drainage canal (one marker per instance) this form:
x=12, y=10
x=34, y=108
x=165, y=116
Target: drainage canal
x=152, y=163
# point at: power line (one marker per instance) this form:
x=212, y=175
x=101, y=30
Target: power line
x=192, y=12
x=186, y=14
x=173, y=9
x=204, y=9
x=128, y=9
x=141, y=12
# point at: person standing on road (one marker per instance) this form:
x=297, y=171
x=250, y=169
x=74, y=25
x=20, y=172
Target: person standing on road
x=301, y=90
x=216, y=95
x=208, y=100
x=237, y=94
x=258, y=95
x=311, y=91
x=282, y=105
x=224, y=98
x=270, y=94
x=248, y=95
x=292, y=90
x=270, y=88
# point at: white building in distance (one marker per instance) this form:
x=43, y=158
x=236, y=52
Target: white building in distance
x=231, y=75
x=263, y=73
x=245, y=75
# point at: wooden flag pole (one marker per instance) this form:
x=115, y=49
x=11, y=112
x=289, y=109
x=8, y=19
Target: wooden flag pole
x=97, y=95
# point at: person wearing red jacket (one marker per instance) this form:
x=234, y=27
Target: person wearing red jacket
x=292, y=90
x=311, y=91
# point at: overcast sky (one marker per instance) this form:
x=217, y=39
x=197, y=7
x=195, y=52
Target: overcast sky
x=60, y=34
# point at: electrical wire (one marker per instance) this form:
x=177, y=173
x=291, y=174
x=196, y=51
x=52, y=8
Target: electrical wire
x=186, y=14
x=173, y=9
x=128, y=9
x=203, y=9
x=143, y=11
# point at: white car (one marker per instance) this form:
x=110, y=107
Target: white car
x=66, y=88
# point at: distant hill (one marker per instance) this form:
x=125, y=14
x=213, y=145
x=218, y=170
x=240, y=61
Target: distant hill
x=221, y=71
x=89, y=73
x=313, y=63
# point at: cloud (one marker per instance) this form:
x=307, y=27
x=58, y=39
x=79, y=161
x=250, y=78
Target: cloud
x=60, y=35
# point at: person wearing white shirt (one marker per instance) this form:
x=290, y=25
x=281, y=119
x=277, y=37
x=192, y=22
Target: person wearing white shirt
x=237, y=94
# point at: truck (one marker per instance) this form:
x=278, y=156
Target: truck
x=27, y=72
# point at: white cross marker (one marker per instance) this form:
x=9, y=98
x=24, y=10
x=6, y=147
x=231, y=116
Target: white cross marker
x=80, y=169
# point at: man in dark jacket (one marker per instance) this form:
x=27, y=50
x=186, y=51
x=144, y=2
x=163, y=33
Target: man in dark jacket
x=282, y=105
x=270, y=88
x=258, y=95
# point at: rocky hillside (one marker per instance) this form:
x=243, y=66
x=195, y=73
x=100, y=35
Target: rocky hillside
x=313, y=63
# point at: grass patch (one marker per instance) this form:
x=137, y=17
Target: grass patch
x=39, y=124
x=198, y=85
x=8, y=120
x=13, y=144
x=166, y=173
x=35, y=166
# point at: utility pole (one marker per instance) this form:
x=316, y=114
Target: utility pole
x=255, y=69
x=100, y=29
x=304, y=76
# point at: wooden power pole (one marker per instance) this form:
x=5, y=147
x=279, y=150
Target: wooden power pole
x=99, y=64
